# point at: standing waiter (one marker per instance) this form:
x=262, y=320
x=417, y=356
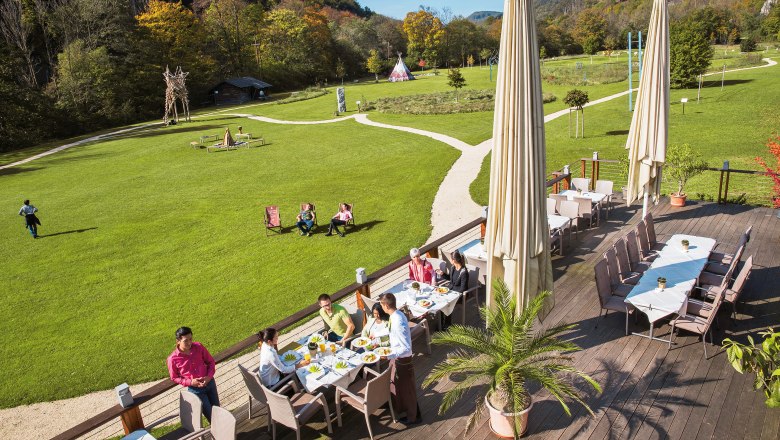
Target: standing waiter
x=28, y=211
x=402, y=386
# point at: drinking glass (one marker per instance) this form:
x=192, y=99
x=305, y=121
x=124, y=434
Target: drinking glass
x=322, y=347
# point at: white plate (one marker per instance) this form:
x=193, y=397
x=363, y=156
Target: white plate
x=297, y=357
x=364, y=357
x=318, y=338
x=357, y=342
x=321, y=371
x=382, y=351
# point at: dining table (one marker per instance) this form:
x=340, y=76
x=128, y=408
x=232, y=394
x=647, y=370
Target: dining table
x=140, y=434
x=594, y=197
x=327, y=360
x=426, y=300
x=681, y=269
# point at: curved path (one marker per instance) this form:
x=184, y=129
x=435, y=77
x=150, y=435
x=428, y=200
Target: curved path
x=452, y=207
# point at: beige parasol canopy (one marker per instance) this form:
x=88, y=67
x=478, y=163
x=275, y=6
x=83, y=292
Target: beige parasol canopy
x=517, y=234
x=648, y=135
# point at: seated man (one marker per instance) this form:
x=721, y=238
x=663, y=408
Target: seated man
x=420, y=270
x=305, y=219
x=338, y=323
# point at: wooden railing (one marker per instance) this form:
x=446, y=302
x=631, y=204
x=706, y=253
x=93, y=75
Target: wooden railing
x=132, y=418
x=595, y=169
x=723, y=187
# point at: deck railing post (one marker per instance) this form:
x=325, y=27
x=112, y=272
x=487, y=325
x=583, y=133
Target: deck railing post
x=131, y=419
x=720, y=187
x=726, y=190
x=363, y=290
x=432, y=253
x=595, y=175
x=582, y=167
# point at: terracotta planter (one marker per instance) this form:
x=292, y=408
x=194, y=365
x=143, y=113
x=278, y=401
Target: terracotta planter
x=501, y=422
x=677, y=199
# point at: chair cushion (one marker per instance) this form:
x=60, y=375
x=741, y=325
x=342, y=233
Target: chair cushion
x=357, y=388
x=632, y=279
x=710, y=279
x=621, y=290
x=616, y=303
x=717, y=268
x=299, y=401
x=699, y=308
x=695, y=324
x=721, y=257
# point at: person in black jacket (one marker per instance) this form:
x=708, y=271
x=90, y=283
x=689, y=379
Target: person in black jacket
x=458, y=276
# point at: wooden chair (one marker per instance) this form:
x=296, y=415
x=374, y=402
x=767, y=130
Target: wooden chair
x=698, y=324
x=190, y=416
x=581, y=183
x=607, y=300
x=620, y=283
x=366, y=396
x=294, y=412
x=223, y=424
x=272, y=220
x=255, y=389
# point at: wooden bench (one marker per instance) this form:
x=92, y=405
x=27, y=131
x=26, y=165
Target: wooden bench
x=221, y=147
x=196, y=145
x=209, y=137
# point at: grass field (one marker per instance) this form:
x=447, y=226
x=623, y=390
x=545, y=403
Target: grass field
x=732, y=125
x=143, y=234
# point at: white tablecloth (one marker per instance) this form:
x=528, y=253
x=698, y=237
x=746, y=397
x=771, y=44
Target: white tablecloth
x=139, y=435
x=593, y=196
x=328, y=361
x=443, y=302
x=681, y=270
x=474, y=250
x=557, y=221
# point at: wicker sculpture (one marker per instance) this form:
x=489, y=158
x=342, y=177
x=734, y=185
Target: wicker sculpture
x=176, y=88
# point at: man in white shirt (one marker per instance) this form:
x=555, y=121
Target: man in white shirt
x=28, y=211
x=402, y=385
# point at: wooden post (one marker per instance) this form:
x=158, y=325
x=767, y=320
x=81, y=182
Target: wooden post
x=131, y=419
x=593, y=165
x=598, y=172
x=482, y=230
x=567, y=182
x=363, y=290
x=582, y=167
x=432, y=253
x=726, y=191
x=720, y=187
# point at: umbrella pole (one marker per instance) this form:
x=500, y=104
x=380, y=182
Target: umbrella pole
x=644, y=201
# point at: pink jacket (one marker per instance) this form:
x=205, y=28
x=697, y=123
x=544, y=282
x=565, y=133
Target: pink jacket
x=421, y=273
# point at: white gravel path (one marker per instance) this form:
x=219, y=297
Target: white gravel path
x=452, y=207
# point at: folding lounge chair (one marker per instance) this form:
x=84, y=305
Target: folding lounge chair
x=272, y=220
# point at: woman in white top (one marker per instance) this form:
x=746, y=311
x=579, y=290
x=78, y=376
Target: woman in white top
x=271, y=366
x=340, y=219
x=376, y=325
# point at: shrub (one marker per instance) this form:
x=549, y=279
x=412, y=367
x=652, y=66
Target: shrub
x=747, y=44
x=308, y=93
x=690, y=54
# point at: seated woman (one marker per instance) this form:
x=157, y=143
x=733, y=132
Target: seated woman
x=271, y=366
x=420, y=270
x=340, y=219
x=458, y=275
x=377, y=326
x=305, y=219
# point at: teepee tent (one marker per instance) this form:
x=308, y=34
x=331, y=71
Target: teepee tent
x=400, y=72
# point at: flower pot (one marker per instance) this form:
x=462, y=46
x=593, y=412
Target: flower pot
x=685, y=247
x=501, y=422
x=661, y=286
x=677, y=199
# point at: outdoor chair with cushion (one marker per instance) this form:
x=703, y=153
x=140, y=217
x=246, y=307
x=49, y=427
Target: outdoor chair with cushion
x=190, y=412
x=556, y=237
x=700, y=325
x=438, y=264
x=732, y=295
x=624, y=264
x=638, y=263
x=223, y=424
x=708, y=277
x=295, y=411
x=559, y=198
x=620, y=283
x=607, y=300
x=572, y=211
x=587, y=209
x=551, y=206
x=272, y=220
x=580, y=183
x=645, y=252
x=472, y=293
x=651, y=237
x=255, y=388
x=606, y=187
x=718, y=261
x=366, y=396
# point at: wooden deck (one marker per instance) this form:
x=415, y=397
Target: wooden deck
x=649, y=391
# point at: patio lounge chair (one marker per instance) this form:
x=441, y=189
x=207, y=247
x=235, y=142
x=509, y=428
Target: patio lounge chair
x=366, y=396
x=190, y=412
x=698, y=324
x=255, y=389
x=272, y=220
x=223, y=424
x=295, y=411
x=607, y=300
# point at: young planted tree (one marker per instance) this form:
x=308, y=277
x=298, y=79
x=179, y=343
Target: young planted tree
x=484, y=54
x=576, y=100
x=690, y=54
x=374, y=64
x=470, y=60
x=341, y=71
x=456, y=80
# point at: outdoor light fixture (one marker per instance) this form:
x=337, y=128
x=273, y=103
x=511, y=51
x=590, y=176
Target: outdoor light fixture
x=124, y=395
x=360, y=275
x=566, y=169
x=683, y=101
x=595, y=155
x=484, y=212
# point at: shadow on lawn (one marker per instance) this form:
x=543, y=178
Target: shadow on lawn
x=17, y=170
x=74, y=231
x=162, y=130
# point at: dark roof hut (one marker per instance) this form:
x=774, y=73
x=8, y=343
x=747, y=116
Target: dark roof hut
x=239, y=90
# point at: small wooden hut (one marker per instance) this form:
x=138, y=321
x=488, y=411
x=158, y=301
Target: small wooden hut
x=239, y=90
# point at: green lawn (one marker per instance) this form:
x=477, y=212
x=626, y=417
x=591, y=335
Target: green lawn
x=732, y=124
x=143, y=234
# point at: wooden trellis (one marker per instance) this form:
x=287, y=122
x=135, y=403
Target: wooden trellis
x=176, y=89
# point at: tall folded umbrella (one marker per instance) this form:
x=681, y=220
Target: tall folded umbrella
x=227, y=139
x=517, y=233
x=648, y=135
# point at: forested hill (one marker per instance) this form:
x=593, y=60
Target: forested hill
x=351, y=6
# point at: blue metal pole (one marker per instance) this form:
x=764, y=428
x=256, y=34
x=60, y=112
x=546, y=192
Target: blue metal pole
x=630, y=76
x=640, y=56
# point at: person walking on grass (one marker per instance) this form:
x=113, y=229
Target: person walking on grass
x=340, y=219
x=305, y=219
x=31, y=220
x=192, y=366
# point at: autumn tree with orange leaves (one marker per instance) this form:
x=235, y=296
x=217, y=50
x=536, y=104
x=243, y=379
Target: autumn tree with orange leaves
x=773, y=144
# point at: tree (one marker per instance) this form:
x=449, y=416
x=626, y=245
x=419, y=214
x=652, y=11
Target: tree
x=341, y=71
x=577, y=99
x=484, y=54
x=690, y=54
x=374, y=64
x=424, y=33
x=470, y=60
x=17, y=33
x=456, y=80
x=747, y=44
x=590, y=30
x=773, y=170
x=542, y=53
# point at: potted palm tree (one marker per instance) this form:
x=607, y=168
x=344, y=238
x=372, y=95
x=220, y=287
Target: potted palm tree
x=506, y=356
x=682, y=164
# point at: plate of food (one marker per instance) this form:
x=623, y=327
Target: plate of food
x=442, y=289
x=369, y=358
x=361, y=342
x=383, y=351
x=317, y=371
x=316, y=338
x=425, y=303
x=291, y=357
x=342, y=367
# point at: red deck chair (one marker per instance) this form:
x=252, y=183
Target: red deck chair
x=273, y=221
